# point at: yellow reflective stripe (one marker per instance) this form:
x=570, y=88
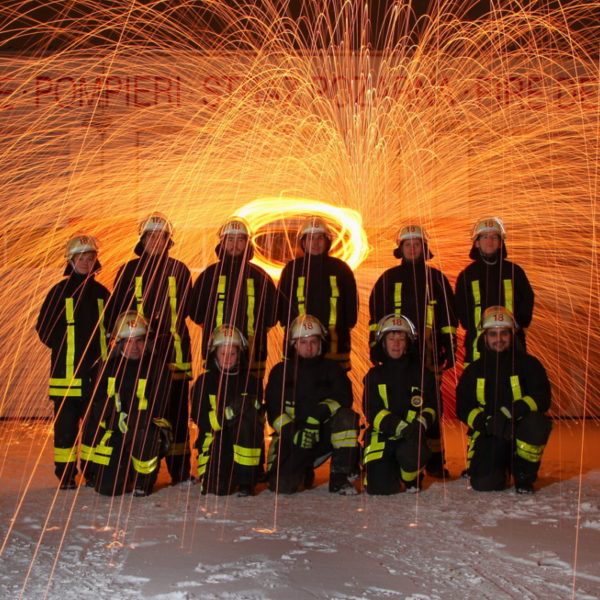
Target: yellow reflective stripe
x=335, y=294
x=374, y=449
x=410, y=416
x=64, y=392
x=430, y=312
x=221, y=286
x=515, y=385
x=139, y=295
x=212, y=415
x=102, y=329
x=476, y=315
x=280, y=421
x=176, y=337
x=300, y=294
x=430, y=411
x=530, y=452
x=344, y=439
x=249, y=457
x=448, y=329
x=250, y=307
x=398, y=298
x=144, y=467
x=86, y=452
x=70, y=354
x=178, y=449
x=103, y=452
x=65, y=455
x=473, y=415
x=331, y=404
x=508, y=295
x=141, y=394
x=382, y=389
x=111, y=392
x=162, y=422
x=382, y=414
x=481, y=391
x=203, y=456
x=530, y=402
x=373, y=327
x=408, y=476
x=59, y=382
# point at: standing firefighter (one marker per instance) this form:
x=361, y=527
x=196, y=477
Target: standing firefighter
x=399, y=403
x=320, y=285
x=129, y=405
x=309, y=404
x=502, y=397
x=235, y=291
x=71, y=324
x=491, y=280
x=423, y=295
x=158, y=287
x=226, y=402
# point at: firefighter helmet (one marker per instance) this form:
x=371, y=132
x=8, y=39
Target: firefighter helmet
x=395, y=323
x=130, y=324
x=314, y=225
x=305, y=326
x=489, y=225
x=156, y=222
x=79, y=244
x=498, y=317
x=411, y=232
x=227, y=335
x=235, y=226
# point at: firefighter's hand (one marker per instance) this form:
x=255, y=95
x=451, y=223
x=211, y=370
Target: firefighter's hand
x=415, y=430
x=500, y=424
x=447, y=354
x=308, y=436
x=166, y=436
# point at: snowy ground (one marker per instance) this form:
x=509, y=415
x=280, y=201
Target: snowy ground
x=447, y=542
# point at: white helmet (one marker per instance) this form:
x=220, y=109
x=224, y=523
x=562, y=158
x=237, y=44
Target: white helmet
x=314, y=225
x=227, y=335
x=489, y=225
x=79, y=244
x=235, y=226
x=305, y=326
x=411, y=232
x=130, y=324
x=497, y=317
x=155, y=222
x=395, y=323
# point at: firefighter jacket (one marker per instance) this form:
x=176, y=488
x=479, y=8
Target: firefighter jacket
x=299, y=388
x=71, y=324
x=510, y=382
x=233, y=291
x=481, y=285
x=396, y=392
x=322, y=286
x=423, y=294
x=158, y=288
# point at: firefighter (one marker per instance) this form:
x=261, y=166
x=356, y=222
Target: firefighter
x=423, y=295
x=491, y=280
x=502, y=397
x=320, y=285
x=129, y=403
x=309, y=405
x=158, y=287
x=235, y=291
x=400, y=405
x=71, y=324
x=226, y=406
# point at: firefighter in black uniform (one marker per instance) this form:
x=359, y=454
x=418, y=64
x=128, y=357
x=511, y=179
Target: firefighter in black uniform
x=491, y=280
x=128, y=403
x=423, y=294
x=309, y=405
x=322, y=286
x=235, y=291
x=399, y=403
x=502, y=397
x=71, y=324
x=226, y=406
x=158, y=287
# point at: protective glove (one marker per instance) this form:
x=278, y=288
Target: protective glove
x=122, y=422
x=500, y=424
x=308, y=436
x=447, y=352
x=415, y=430
x=520, y=409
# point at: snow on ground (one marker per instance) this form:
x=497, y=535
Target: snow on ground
x=447, y=542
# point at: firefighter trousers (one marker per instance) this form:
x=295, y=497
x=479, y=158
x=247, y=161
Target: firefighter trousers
x=178, y=414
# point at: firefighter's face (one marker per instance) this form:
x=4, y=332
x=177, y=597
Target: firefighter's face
x=412, y=249
x=228, y=356
x=84, y=262
x=308, y=347
x=315, y=243
x=395, y=343
x=498, y=340
x=133, y=347
x=234, y=245
x=155, y=242
x=488, y=243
